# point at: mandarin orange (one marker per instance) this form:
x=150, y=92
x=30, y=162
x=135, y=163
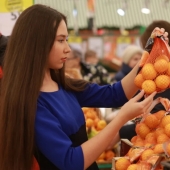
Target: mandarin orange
x=148, y=71
x=162, y=81
x=161, y=66
x=149, y=86
x=139, y=80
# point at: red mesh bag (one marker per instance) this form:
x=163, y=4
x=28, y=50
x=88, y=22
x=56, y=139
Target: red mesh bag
x=154, y=71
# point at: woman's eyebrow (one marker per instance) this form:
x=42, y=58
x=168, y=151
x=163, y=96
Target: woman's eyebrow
x=64, y=36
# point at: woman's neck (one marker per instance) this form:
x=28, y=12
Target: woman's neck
x=48, y=84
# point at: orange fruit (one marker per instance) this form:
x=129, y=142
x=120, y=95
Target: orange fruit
x=139, y=80
x=150, y=138
x=149, y=86
x=142, y=130
x=150, y=135
x=165, y=120
x=91, y=114
x=100, y=161
x=159, y=131
x=101, y=124
x=158, y=149
x=122, y=163
x=167, y=130
x=162, y=57
x=162, y=81
x=95, y=121
x=133, y=139
x=139, y=143
x=160, y=114
x=161, y=66
x=162, y=138
x=109, y=155
x=89, y=122
x=151, y=121
x=144, y=58
x=148, y=71
x=133, y=167
x=146, y=154
x=168, y=70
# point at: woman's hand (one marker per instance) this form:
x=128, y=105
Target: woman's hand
x=158, y=32
x=134, y=108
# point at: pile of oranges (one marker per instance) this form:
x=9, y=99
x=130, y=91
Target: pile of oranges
x=151, y=141
x=94, y=124
x=155, y=75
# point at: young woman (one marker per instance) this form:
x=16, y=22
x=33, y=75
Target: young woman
x=41, y=112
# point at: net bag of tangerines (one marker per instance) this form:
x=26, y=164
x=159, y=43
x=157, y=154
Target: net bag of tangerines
x=154, y=68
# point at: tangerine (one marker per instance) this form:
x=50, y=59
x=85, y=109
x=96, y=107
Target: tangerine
x=148, y=71
x=162, y=57
x=165, y=120
x=151, y=121
x=146, y=154
x=109, y=154
x=161, y=65
x=167, y=130
x=149, y=86
x=162, y=81
x=122, y=163
x=158, y=149
x=162, y=138
x=160, y=114
x=133, y=167
x=139, y=80
x=143, y=130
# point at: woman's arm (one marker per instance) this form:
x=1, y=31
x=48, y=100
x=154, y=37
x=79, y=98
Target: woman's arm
x=128, y=84
x=96, y=145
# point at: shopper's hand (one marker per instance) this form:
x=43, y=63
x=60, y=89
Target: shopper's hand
x=134, y=108
x=158, y=32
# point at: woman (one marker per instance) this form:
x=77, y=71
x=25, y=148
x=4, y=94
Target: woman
x=41, y=112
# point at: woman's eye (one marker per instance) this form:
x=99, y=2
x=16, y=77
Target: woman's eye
x=61, y=41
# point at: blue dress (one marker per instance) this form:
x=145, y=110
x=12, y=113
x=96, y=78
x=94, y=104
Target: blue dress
x=60, y=124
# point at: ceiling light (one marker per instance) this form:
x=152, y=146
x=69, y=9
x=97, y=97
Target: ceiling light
x=123, y=8
x=121, y=12
x=145, y=10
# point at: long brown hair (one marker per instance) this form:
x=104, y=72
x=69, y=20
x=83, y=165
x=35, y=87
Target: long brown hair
x=23, y=72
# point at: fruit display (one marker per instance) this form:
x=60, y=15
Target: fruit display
x=154, y=71
x=94, y=124
x=151, y=145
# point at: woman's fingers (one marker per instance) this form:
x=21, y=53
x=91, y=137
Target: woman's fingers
x=138, y=96
x=148, y=101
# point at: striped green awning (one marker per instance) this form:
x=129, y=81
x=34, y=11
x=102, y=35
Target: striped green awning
x=106, y=12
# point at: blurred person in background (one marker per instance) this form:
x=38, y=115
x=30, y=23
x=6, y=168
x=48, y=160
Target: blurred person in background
x=93, y=71
x=130, y=57
x=89, y=68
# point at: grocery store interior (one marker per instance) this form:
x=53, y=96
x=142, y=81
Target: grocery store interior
x=108, y=38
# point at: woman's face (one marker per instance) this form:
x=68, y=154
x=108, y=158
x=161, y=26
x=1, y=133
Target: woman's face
x=134, y=60
x=60, y=49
